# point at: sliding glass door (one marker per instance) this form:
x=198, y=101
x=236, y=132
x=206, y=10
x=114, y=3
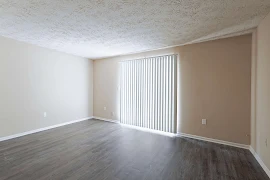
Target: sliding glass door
x=148, y=93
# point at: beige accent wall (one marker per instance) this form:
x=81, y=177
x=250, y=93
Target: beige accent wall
x=262, y=102
x=214, y=84
x=34, y=80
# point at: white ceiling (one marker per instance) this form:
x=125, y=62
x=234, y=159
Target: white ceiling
x=103, y=28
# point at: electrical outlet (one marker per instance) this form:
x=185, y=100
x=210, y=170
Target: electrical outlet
x=105, y=108
x=266, y=142
x=45, y=114
x=204, y=121
x=112, y=113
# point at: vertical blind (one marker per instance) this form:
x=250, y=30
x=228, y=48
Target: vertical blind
x=148, y=93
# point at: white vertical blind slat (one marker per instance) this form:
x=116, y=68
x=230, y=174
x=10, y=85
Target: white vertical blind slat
x=148, y=93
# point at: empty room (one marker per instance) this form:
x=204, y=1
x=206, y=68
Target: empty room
x=134, y=89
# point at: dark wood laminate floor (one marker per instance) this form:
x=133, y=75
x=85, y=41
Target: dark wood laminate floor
x=100, y=150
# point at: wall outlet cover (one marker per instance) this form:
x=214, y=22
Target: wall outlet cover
x=204, y=121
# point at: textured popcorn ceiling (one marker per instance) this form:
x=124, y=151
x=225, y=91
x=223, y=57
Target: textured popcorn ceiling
x=102, y=28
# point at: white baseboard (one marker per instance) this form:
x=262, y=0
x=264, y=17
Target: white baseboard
x=252, y=150
x=257, y=157
x=104, y=119
x=243, y=146
x=42, y=129
x=149, y=130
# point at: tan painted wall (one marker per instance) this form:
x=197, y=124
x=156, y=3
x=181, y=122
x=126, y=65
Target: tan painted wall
x=34, y=80
x=214, y=84
x=263, y=91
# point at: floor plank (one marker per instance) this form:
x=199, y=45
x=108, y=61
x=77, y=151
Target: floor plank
x=106, y=151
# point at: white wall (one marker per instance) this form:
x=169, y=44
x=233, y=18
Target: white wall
x=34, y=80
x=261, y=103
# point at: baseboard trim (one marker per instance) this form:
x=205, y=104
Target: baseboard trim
x=243, y=146
x=105, y=119
x=42, y=129
x=253, y=152
x=257, y=157
x=149, y=130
